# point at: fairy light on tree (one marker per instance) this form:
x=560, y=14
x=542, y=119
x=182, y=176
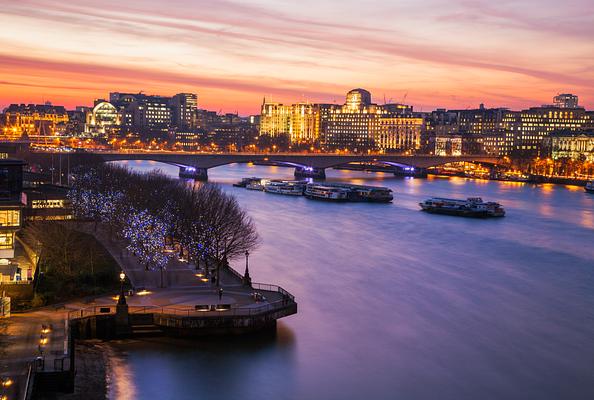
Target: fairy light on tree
x=150, y=211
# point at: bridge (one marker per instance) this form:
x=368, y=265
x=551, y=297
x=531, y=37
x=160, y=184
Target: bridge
x=196, y=165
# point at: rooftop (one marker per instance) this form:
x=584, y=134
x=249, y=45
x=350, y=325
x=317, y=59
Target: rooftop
x=573, y=133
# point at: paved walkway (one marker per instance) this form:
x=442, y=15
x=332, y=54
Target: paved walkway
x=176, y=274
x=27, y=341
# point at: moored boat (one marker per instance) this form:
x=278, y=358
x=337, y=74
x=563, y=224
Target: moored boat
x=363, y=193
x=246, y=181
x=256, y=184
x=288, y=188
x=590, y=187
x=512, y=176
x=324, y=192
x=471, y=207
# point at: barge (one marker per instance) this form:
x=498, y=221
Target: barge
x=256, y=185
x=370, y=194
x=246, y=181
x=349, y=192
x=287, y=188
x=473, y=207
x=316, y=191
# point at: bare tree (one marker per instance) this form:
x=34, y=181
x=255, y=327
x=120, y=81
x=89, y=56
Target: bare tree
x=229, y=231
x=203, y=220
x=58, y=246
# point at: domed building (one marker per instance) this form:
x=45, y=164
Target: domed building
x=103, y=120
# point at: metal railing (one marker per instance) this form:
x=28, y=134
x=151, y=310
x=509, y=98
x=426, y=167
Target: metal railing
x=212, y=311
x=273, y=288
x=287, y=299
x=232, y=312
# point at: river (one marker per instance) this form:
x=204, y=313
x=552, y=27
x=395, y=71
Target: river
x=395, y=303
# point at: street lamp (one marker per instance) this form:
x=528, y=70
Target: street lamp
x=122, y=298
x=247, y=280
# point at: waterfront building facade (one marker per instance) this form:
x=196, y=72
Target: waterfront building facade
x=499, y=131
x=358, y=125
x=574, y=145
x=399, y=133
x=33, y=120
x=532, y=126
x=275, y=119
x=304, y=125
x=352, y=126
x=103, y=120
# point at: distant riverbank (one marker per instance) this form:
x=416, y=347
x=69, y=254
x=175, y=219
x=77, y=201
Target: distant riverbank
x=533, y=178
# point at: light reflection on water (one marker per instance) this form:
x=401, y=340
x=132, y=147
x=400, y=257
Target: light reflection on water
x=121, y=382
x=395, y=303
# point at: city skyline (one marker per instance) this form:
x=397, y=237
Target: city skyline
x=234, y=54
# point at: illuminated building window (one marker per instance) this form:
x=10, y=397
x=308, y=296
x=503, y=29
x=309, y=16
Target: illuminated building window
x=6, y=240
x=10, y=217
x=47, y=204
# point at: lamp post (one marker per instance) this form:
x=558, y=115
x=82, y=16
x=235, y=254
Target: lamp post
x=247, y=280
x=122, y=298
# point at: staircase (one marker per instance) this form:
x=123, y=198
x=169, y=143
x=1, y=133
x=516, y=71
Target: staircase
x=142, y=325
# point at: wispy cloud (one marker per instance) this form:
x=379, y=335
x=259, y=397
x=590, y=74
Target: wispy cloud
x=76, y=50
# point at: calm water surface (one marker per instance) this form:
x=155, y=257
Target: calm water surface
x=398, y=304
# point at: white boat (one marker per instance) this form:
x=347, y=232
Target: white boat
x=288, y=188
x=472, y=207
x=255, y=185
x=590, y=187
x=322, y=192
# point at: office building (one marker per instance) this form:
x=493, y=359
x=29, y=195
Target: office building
x=11, y=206
x=183, y=110
x=565, y=100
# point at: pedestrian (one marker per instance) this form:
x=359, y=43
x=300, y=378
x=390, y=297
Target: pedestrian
x=220, y=293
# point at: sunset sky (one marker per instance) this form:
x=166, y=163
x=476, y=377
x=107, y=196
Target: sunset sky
x=431, y=53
